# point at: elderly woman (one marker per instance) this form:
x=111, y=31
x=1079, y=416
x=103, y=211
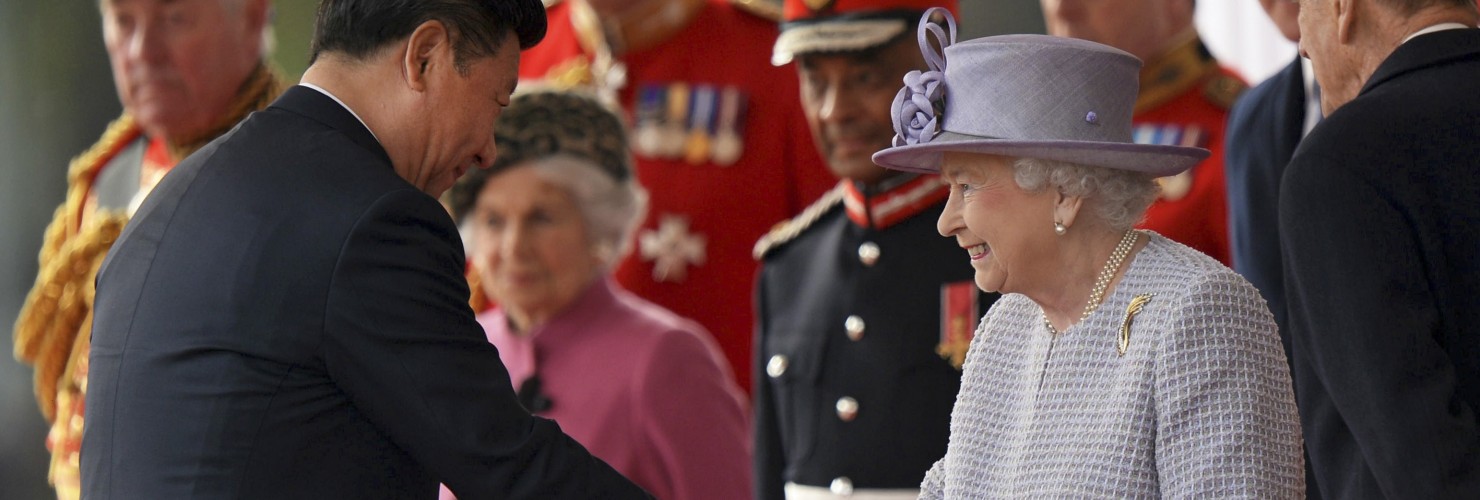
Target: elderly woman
x=643, y=389
x=1117, y=363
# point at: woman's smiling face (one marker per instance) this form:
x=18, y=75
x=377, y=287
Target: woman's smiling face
x=1002, y=227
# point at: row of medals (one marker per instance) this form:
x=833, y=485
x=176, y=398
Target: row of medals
x=696, y=123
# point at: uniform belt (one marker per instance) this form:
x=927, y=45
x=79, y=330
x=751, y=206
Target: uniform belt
x=803, y=492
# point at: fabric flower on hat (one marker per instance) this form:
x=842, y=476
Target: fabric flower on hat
x=916, y=107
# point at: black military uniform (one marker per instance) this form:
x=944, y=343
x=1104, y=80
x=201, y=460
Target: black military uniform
x=860, y=312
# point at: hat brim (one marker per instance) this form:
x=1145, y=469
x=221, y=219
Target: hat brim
x=1156, y=160
x=834, y=36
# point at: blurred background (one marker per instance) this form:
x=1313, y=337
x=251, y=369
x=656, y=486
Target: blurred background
x=56, y=97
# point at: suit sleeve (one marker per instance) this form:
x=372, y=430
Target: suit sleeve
x=694, y=420
x=402, y=344
x=1378, y=393
x=770, y=458
x=1225, y=415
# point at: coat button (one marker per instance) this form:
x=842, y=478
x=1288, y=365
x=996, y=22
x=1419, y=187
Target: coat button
x=776, y=366
x=847, y=409
x=841, y=486
x=854, y=326
x=868, y=253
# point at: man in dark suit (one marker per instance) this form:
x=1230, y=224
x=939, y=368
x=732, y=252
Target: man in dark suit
x=1264, y=126
x=310, y=336
x=1380, y=222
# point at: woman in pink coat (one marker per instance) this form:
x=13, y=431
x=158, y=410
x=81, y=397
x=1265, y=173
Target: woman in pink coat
x=642, y=388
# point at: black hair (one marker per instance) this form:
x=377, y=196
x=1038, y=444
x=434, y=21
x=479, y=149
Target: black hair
x=358, y=28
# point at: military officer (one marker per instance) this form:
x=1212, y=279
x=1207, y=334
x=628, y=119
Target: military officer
x=1184, y=100
x=718, y=135
x=186, y=72
x=864, y=312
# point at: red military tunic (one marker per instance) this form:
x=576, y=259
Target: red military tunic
x=707, y=206
x=1184, y=100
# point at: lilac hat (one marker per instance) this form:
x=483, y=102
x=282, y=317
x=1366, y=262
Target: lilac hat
x=1026, y=96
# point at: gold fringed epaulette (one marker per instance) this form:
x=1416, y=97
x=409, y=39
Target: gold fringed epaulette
x=1222, y=90
x=789, y=229
x=60, y=302
x=69, y=253
x=1174, y=72
x=85, y=167
x=759, y=8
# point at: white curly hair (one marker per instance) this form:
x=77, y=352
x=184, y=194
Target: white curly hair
x=1118, y=197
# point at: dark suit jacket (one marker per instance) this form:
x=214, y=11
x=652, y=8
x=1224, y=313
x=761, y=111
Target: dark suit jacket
x=1263, y=130
x=1380, y=221
x=904, y=390
x=285, y=317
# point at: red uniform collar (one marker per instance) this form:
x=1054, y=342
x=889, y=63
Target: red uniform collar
x=894, y=203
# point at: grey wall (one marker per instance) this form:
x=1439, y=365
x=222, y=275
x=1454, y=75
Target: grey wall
x=56, y=95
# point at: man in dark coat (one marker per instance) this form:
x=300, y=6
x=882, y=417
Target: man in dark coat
x=1380, y=229
x=864, y=312
x=310, y=336
x=1265, y=125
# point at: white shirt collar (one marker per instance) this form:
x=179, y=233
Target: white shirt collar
x=341, y=103
x=1312, y=97
x=1436, y=27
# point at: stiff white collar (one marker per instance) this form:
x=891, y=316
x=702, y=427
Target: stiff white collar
x=1313, y=112
x=341, y=103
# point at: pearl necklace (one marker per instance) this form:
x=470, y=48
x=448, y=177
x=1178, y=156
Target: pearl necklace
x=1097, y=295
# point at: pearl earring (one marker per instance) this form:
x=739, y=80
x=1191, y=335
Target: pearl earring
x=1059, y=228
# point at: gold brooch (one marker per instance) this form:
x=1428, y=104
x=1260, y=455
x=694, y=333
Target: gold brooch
x=1125, y=326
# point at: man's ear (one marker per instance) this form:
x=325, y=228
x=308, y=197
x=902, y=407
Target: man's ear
x=1066, y=208
x=1346, y=14
x=428, y=49
x=257, y=14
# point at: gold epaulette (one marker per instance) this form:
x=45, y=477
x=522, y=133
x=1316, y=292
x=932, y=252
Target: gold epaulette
x=788, y=230
x=56, y=310
x=1222, y=90
x=48, y=322
x=759, y=8
x=1175, y=72
x=550, y=3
